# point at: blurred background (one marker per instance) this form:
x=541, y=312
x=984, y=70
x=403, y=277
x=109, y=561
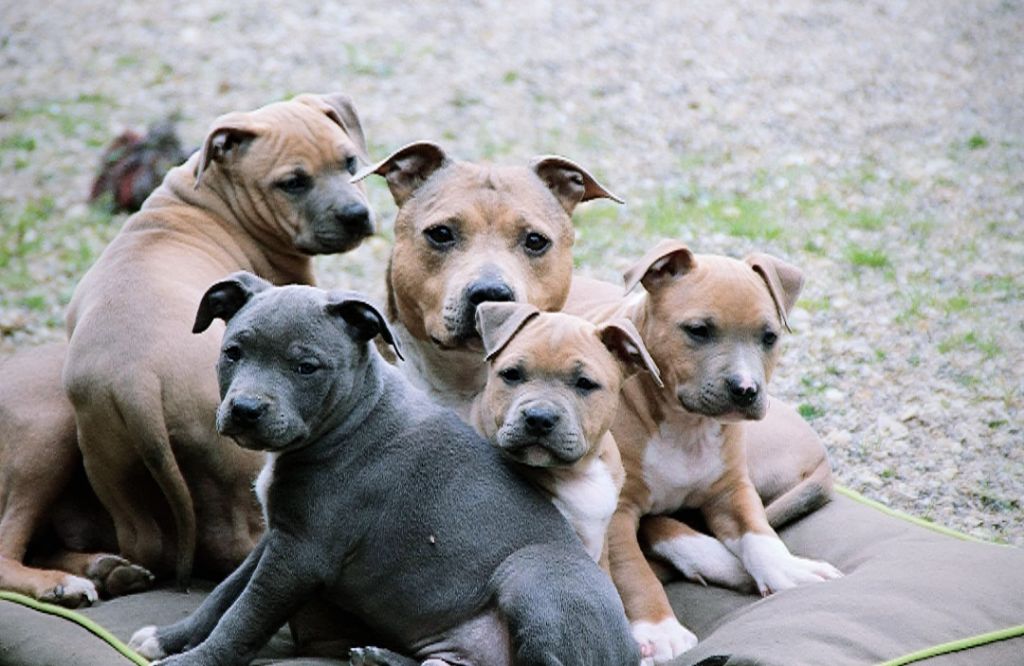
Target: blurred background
x=878, y=145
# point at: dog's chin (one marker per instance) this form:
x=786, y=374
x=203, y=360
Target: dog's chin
x=722, y=412
x=468, y=342
x=533, y=453
x=257, y=441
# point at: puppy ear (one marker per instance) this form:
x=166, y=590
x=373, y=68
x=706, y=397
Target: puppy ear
x=363, y=316
x=784, y=282
x=227, y=139
x=340, y=109
x=498, y=323
x=407, y=168
x=665, y=262
x=224, y=299
x=569, y=182
x=622, y=339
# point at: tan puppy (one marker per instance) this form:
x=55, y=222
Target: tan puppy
x=551, y=395
x=469, y=233
x=42, y=489
x=268, y=189
x=712, y=325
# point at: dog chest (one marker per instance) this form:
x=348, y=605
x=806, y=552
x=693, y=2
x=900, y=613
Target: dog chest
x=680, y=462
x=587, y=499
x=262, y=484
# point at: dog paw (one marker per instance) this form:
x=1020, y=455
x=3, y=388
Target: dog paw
x=662, y=641
x=72, y=592
x=145, y=642
x=775, y=569
x=704, y=559
x=115, y=576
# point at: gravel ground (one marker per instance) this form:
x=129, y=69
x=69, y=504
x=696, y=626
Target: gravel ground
x=879, y=145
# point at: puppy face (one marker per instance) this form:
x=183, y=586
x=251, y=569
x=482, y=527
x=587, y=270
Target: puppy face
x=286, y=169
x=466, y=234
x=293, y=359
x=553, y=383
x=712, y=324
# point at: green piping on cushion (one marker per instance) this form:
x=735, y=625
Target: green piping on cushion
x=956, y=646
x=857, y=497
x=79, y=619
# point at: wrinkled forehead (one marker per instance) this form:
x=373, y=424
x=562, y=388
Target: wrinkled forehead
x=287, y=313
x=557, y=342
x=726, y=290
x=487, y=191
x=299, y=127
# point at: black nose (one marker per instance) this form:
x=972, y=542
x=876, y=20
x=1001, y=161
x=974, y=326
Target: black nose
x=540, y=420
x=743, y=391
x=354, y=217
x=489, y=290
x=246, y=410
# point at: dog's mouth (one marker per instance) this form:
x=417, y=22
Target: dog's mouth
x=536, y=452
x=724, y=411
x=468, y=341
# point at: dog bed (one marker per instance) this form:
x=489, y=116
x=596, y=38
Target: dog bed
x=912, y=592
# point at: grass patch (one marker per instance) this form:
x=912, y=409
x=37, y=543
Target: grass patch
x=736, y=216
x=957, y=303
x=976, y=142
x=867, y=258
x=809, y=411
x=18, y=142
x=970, y=340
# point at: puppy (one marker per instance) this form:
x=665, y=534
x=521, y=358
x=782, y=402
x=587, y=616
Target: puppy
x=470, y=233
x=382, y=503
x=269, y=189
x=712, y=325
x=551, y=395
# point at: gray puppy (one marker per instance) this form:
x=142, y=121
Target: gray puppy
x=383, y=504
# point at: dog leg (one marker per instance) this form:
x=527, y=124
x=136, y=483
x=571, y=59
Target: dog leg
x=154, y=643
x=655, y=628
x=699, y=557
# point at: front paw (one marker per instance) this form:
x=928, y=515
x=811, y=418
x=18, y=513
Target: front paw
x=775, y=569
x=662, y=641
x=72, y=592
x=145, y=642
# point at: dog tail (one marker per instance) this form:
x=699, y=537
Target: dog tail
x=814, y=491
x=154, y=447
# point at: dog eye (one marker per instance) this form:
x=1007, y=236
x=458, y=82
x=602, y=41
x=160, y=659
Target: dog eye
x=297, y=183
x=769, y=338
x=306, y=368
x=536, y=244
x=586, y=385
x=232, y=353
x=511, y=375
x=351, y=165
x=698, y=332
x=440, y=236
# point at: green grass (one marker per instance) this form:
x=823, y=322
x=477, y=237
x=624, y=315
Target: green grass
x=977, y=142
x=867, y=258
x=668, y=215
x=18, y=142
x=809, y=411
x=970, y=340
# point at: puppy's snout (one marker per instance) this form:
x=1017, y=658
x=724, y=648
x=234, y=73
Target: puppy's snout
x=489, y=290
x=354, y=217
x=246, y=410
x=540, y=420
x=742, y=390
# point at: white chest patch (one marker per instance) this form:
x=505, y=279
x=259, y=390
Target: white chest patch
x=587, y=498
x=262, y=485
x=684, y=458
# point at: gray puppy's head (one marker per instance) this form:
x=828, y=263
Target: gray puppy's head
x=293, y=359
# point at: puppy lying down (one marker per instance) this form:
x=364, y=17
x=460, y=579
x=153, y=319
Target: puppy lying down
x=383, y=504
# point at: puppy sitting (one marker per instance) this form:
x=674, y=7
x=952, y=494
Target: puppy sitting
x=712, y=325
x=551, y=395
x=383, y=504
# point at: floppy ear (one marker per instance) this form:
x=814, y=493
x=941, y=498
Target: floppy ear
x=784, y=282
x=498, y=322
x=569, y=182
x=663, y=263
x=407, y=168
x=340, y=109
x=622, y=339
x=363, y=316
x=227, y=139
x=224, y=299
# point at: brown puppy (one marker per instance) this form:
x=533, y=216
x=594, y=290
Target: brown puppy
x=269, y=189
x=711, y=324
x=42, y=490
x=469, y=233
x=551, y=395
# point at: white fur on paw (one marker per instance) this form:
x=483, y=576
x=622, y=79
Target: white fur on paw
x=145, y=642
x=663, y=641
x=704, y=559
x=775, y=569
x=74, y=586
